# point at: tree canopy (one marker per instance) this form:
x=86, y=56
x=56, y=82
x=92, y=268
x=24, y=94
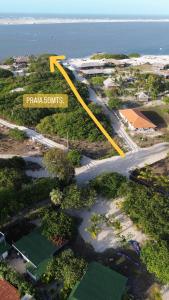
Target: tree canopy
x=57, y=163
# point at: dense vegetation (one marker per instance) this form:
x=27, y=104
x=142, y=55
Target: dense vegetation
x=156, y=257
x=149, y=210
x=72, y=121
x=57, y=224
x=14, y=278
x=76, y=124
x=152, y=83
x=109, y=56
x=67, y=270
x=108, y=184
x=17, y=191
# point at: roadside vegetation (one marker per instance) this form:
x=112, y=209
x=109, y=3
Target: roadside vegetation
x=149, y=210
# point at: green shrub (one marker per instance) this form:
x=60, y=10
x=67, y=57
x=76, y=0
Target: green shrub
x=74, y=156
x=5, y=73
x=17, y=134
x=108, y=184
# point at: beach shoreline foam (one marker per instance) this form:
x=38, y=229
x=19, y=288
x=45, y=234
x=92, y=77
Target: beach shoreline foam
x=45, y=21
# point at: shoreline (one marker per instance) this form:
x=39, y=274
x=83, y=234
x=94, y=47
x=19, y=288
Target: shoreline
x=48, y=21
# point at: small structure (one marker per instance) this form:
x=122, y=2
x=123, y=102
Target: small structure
x=109, y=83
x=99, y=282
x=4, y=247
x=37, y=250
x=8, y=291
x=21, y=61
x=136, y=120
x=143, y=97
x=97, y=71
x=17, y=90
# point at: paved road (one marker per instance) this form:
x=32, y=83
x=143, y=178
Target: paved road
x=34, y=135
x=116, y=123
x=123, y=166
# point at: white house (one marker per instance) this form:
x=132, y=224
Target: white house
x=143, y=97
x=109, y=83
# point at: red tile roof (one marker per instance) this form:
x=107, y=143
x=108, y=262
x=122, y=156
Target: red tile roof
x=137, y=119
x=8, y=291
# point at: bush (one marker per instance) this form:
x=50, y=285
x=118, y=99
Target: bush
x=74, y=156
x=67, y=270
x=10, y=275
x=57, y=224
x=114, y=103
x=155, y=255
x=97, y=80
x=108, y=184
x=5, y=73
x=134, y=55
x=78, y=198
x=17, y=134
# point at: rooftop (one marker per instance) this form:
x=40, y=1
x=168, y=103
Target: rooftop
x=35, y=247
x=137, y=119
x=8, y=291
x=99, y=283
x=98, y=71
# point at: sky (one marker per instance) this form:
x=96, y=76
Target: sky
x=122, y=7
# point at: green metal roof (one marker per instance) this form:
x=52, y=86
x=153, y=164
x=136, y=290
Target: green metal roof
x=40, y=270
x=36, y=247
x=99, y=283
x=4, y=247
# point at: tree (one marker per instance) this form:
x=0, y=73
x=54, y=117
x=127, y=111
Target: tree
x=56, y=196
x=66, y=269
x=75, y=197
x=108, y=184
x=11, y=178
x=57, y=224
x=5, y=73
x=155, y=255
x=58, y=164
x=74, y=156
x=114, y=103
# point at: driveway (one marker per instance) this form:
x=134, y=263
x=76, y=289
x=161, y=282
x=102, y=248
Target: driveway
x=108, y=236
x=132, y=160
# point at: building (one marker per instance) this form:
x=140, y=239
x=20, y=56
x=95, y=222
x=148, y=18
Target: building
x=136, y=120
x=100, y=283
x=4, y=247
x=37, y=250
x=94, y=71
x=8, y=291
x=109, y=83
x=142, y=97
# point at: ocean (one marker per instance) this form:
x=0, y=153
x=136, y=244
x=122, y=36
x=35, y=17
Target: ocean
x=79, y=37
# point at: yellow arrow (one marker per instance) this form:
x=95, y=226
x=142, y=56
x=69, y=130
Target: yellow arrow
x=54, y=62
